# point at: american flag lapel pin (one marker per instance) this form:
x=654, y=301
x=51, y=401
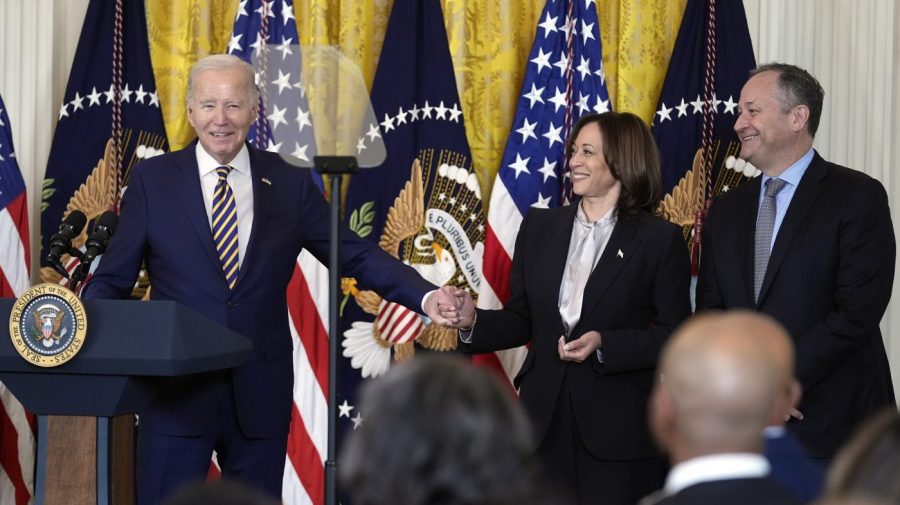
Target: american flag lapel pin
x=619, y=254
x=267, y=181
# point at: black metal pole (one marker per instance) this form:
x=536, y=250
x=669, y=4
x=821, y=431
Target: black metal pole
x=331, y=487
x=334, y=167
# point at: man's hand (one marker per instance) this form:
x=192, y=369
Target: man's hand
x=580, y=349
x=466, y=308
x=441, y=306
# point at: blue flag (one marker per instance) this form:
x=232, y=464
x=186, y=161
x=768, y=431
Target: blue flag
x=678, y=122
x=423, y=204
x=79, y=154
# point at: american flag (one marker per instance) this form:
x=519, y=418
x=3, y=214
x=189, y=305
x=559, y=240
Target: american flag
x=17, y=426
x=564, y=80
x=272, y=45
x=284, y=126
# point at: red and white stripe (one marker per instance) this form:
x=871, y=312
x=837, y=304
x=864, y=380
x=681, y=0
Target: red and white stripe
x=503, y=224
x=307, y=299
x=397, y=324
x=17, y=425
x=14, y=249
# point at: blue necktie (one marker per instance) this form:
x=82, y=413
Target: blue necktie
x=224, y=226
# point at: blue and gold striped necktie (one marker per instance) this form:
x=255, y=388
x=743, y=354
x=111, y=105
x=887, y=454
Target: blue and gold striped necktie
x=224, y=226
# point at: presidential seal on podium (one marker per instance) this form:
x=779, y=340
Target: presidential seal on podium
x=47, y=325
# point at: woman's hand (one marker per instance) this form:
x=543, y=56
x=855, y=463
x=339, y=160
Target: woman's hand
x=580, y=349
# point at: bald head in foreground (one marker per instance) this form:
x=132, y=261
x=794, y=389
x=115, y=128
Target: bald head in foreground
x=723, y=379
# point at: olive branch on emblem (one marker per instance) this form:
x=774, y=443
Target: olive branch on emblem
x=361, y=219
x=47, y=191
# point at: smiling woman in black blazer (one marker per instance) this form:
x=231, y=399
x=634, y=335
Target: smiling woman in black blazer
x=595, y=289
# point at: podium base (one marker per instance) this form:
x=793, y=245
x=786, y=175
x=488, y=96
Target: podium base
x=85, y=460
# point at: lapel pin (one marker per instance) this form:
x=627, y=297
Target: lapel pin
x=267, y=181
x=619, y=254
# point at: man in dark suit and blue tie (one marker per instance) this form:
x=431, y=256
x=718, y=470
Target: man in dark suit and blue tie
x=811, y=244
x=219, y=226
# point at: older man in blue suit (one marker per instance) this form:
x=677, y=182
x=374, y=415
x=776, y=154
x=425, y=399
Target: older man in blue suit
x=219, y=225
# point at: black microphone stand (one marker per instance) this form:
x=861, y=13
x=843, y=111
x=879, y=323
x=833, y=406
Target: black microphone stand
x=334, y=167
x=61, y=269
x=81, y=271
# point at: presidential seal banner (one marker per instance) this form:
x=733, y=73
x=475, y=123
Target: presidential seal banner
x=48, y=325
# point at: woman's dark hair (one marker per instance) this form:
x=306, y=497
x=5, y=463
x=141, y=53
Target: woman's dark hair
x=633, y=159
x=438, y=431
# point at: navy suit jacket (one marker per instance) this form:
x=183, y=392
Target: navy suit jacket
x=164, y=223
x=828, y=282
x=636, y=295
x=792, y=468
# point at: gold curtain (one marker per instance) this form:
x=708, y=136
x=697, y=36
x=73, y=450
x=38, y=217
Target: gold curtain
x=489, y=43
x=638, y=37
x=180, y=33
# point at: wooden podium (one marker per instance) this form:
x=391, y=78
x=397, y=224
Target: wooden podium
x=85, y=427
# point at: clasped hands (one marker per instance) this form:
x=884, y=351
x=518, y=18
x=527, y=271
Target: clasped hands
x=452, y=307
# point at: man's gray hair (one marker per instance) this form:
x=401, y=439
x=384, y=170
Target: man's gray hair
x=224, y=62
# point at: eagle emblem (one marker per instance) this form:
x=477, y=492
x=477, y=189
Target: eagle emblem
x=48, y=322
x=442, y=239
x=96, y=195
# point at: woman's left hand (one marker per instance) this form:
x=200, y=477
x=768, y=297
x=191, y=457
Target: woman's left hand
x=579, y=349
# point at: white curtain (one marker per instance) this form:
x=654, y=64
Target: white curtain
x=852, y=46
x=37, y=45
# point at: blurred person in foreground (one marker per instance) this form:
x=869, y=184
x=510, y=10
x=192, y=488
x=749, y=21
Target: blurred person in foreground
x=596, y=287
x=221, y=492
x=868, y=466
x=437, y=431
x=719, y=385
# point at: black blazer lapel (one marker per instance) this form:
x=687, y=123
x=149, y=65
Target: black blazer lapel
x=262, y=206
x=746, y=246
x=555, y=252
x=188, y=182
x=620, y=249
x=804, y=196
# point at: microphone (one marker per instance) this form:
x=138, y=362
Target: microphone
x=61, y=241
x=104, y=228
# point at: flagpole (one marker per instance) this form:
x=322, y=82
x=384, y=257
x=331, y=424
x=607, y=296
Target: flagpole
x=334, y=167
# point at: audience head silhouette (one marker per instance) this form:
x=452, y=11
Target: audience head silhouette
x=438, y=431
x=223, y=492
x=720, y=384
x=868, y=466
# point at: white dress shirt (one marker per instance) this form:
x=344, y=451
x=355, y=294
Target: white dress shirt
x=241, y=183
x=716, y=467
